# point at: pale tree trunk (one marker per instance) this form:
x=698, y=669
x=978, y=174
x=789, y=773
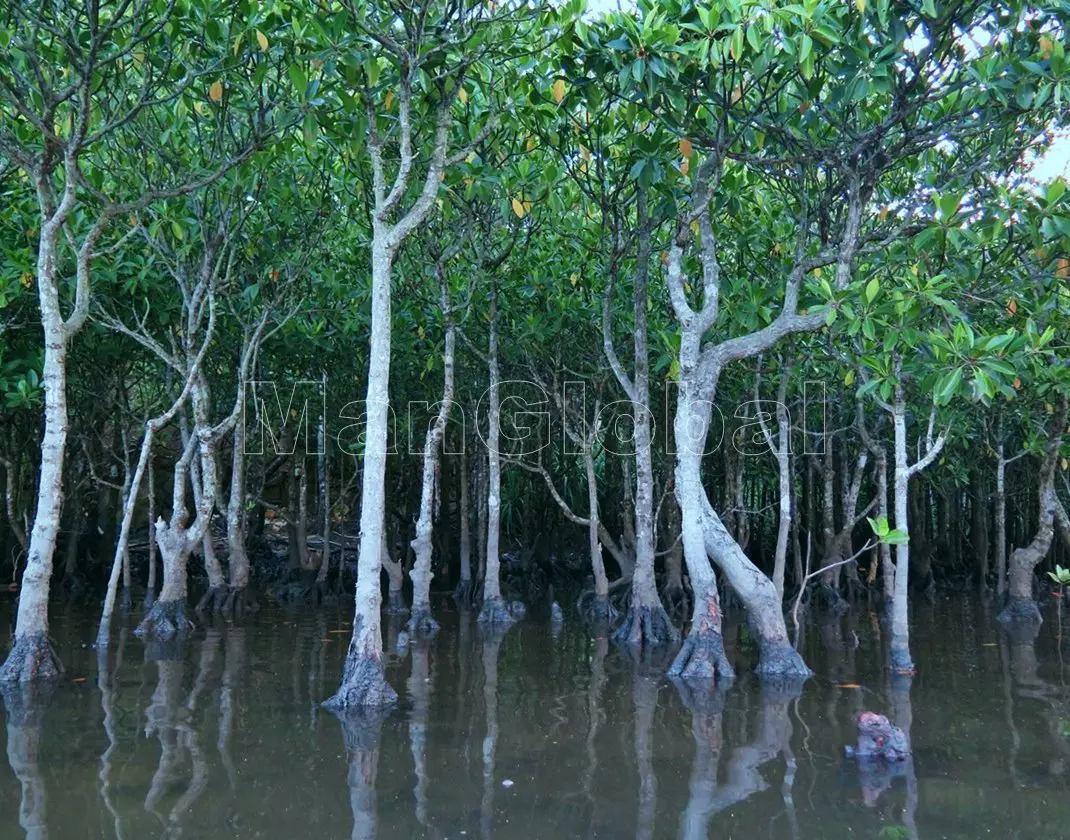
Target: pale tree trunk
x=301, y=518
x=32, y=657
x=899, y=659
x=395, y=576
x=481, y=516
x=421, y=622
x=704, y=536
x=150, y=583
x=167, y=617
x=1020, y=607
x=239, y=601
x=646, y=622
x=215, y=597
x=878, y=451
x=324, y=478
x=1001, y=513
x=702, y=655
x=12, y=474
x=121, y=548
x=494, y=610
x=363, y=681
x=602, y=607
x=123, y=494
x=464, y=586
x=1001, y=523
x=782, y=451
x=700, y=369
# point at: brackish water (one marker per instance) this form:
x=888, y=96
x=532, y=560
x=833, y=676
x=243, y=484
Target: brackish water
x=538, y=735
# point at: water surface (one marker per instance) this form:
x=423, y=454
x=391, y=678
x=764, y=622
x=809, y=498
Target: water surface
x=537, y=735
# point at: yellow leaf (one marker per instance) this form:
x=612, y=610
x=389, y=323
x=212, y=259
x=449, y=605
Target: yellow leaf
x=861, y=6
x=664, y=257
x=1065, y=464
x=26, y=279
x=527, y=206
x=686, y=148
x=685, y=165
x=574, y=279
x=471, y=157
x=420, y=332
x=849, y=378
x=462, y=94
x=518, y=208
x=1017, y=383
x=559, y=90
x=737, y=94
x=215, y=92
x=198, y=107
x=262, y=40
x=389, y=99
x=848, y=685
x=883, y=213
x=531, y=144
x=1012, y=306
x=585, y=153
x=237, y=44
x=687, y=288
x=1046, y=46
x=694, y=228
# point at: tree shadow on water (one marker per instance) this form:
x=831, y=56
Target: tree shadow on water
x=26, y=704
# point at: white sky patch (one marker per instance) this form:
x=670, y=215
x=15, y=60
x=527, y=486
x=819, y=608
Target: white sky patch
x=1055, y=162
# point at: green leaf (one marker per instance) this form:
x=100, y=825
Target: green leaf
x=947, y=387
x=871, y=290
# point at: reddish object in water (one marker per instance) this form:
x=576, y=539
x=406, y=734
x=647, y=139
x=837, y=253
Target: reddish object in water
x=878, y=737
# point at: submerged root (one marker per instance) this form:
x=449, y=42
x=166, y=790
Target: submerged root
x=165, y=620
x=363, y=685
x=31, y=659
x=779, y=660
x=496, y=612
x=647, y=627
x=596, y=610
x=702, y=656
x=421, y=625
x=213, y=600
x=1022, y=611
x=239, y=603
